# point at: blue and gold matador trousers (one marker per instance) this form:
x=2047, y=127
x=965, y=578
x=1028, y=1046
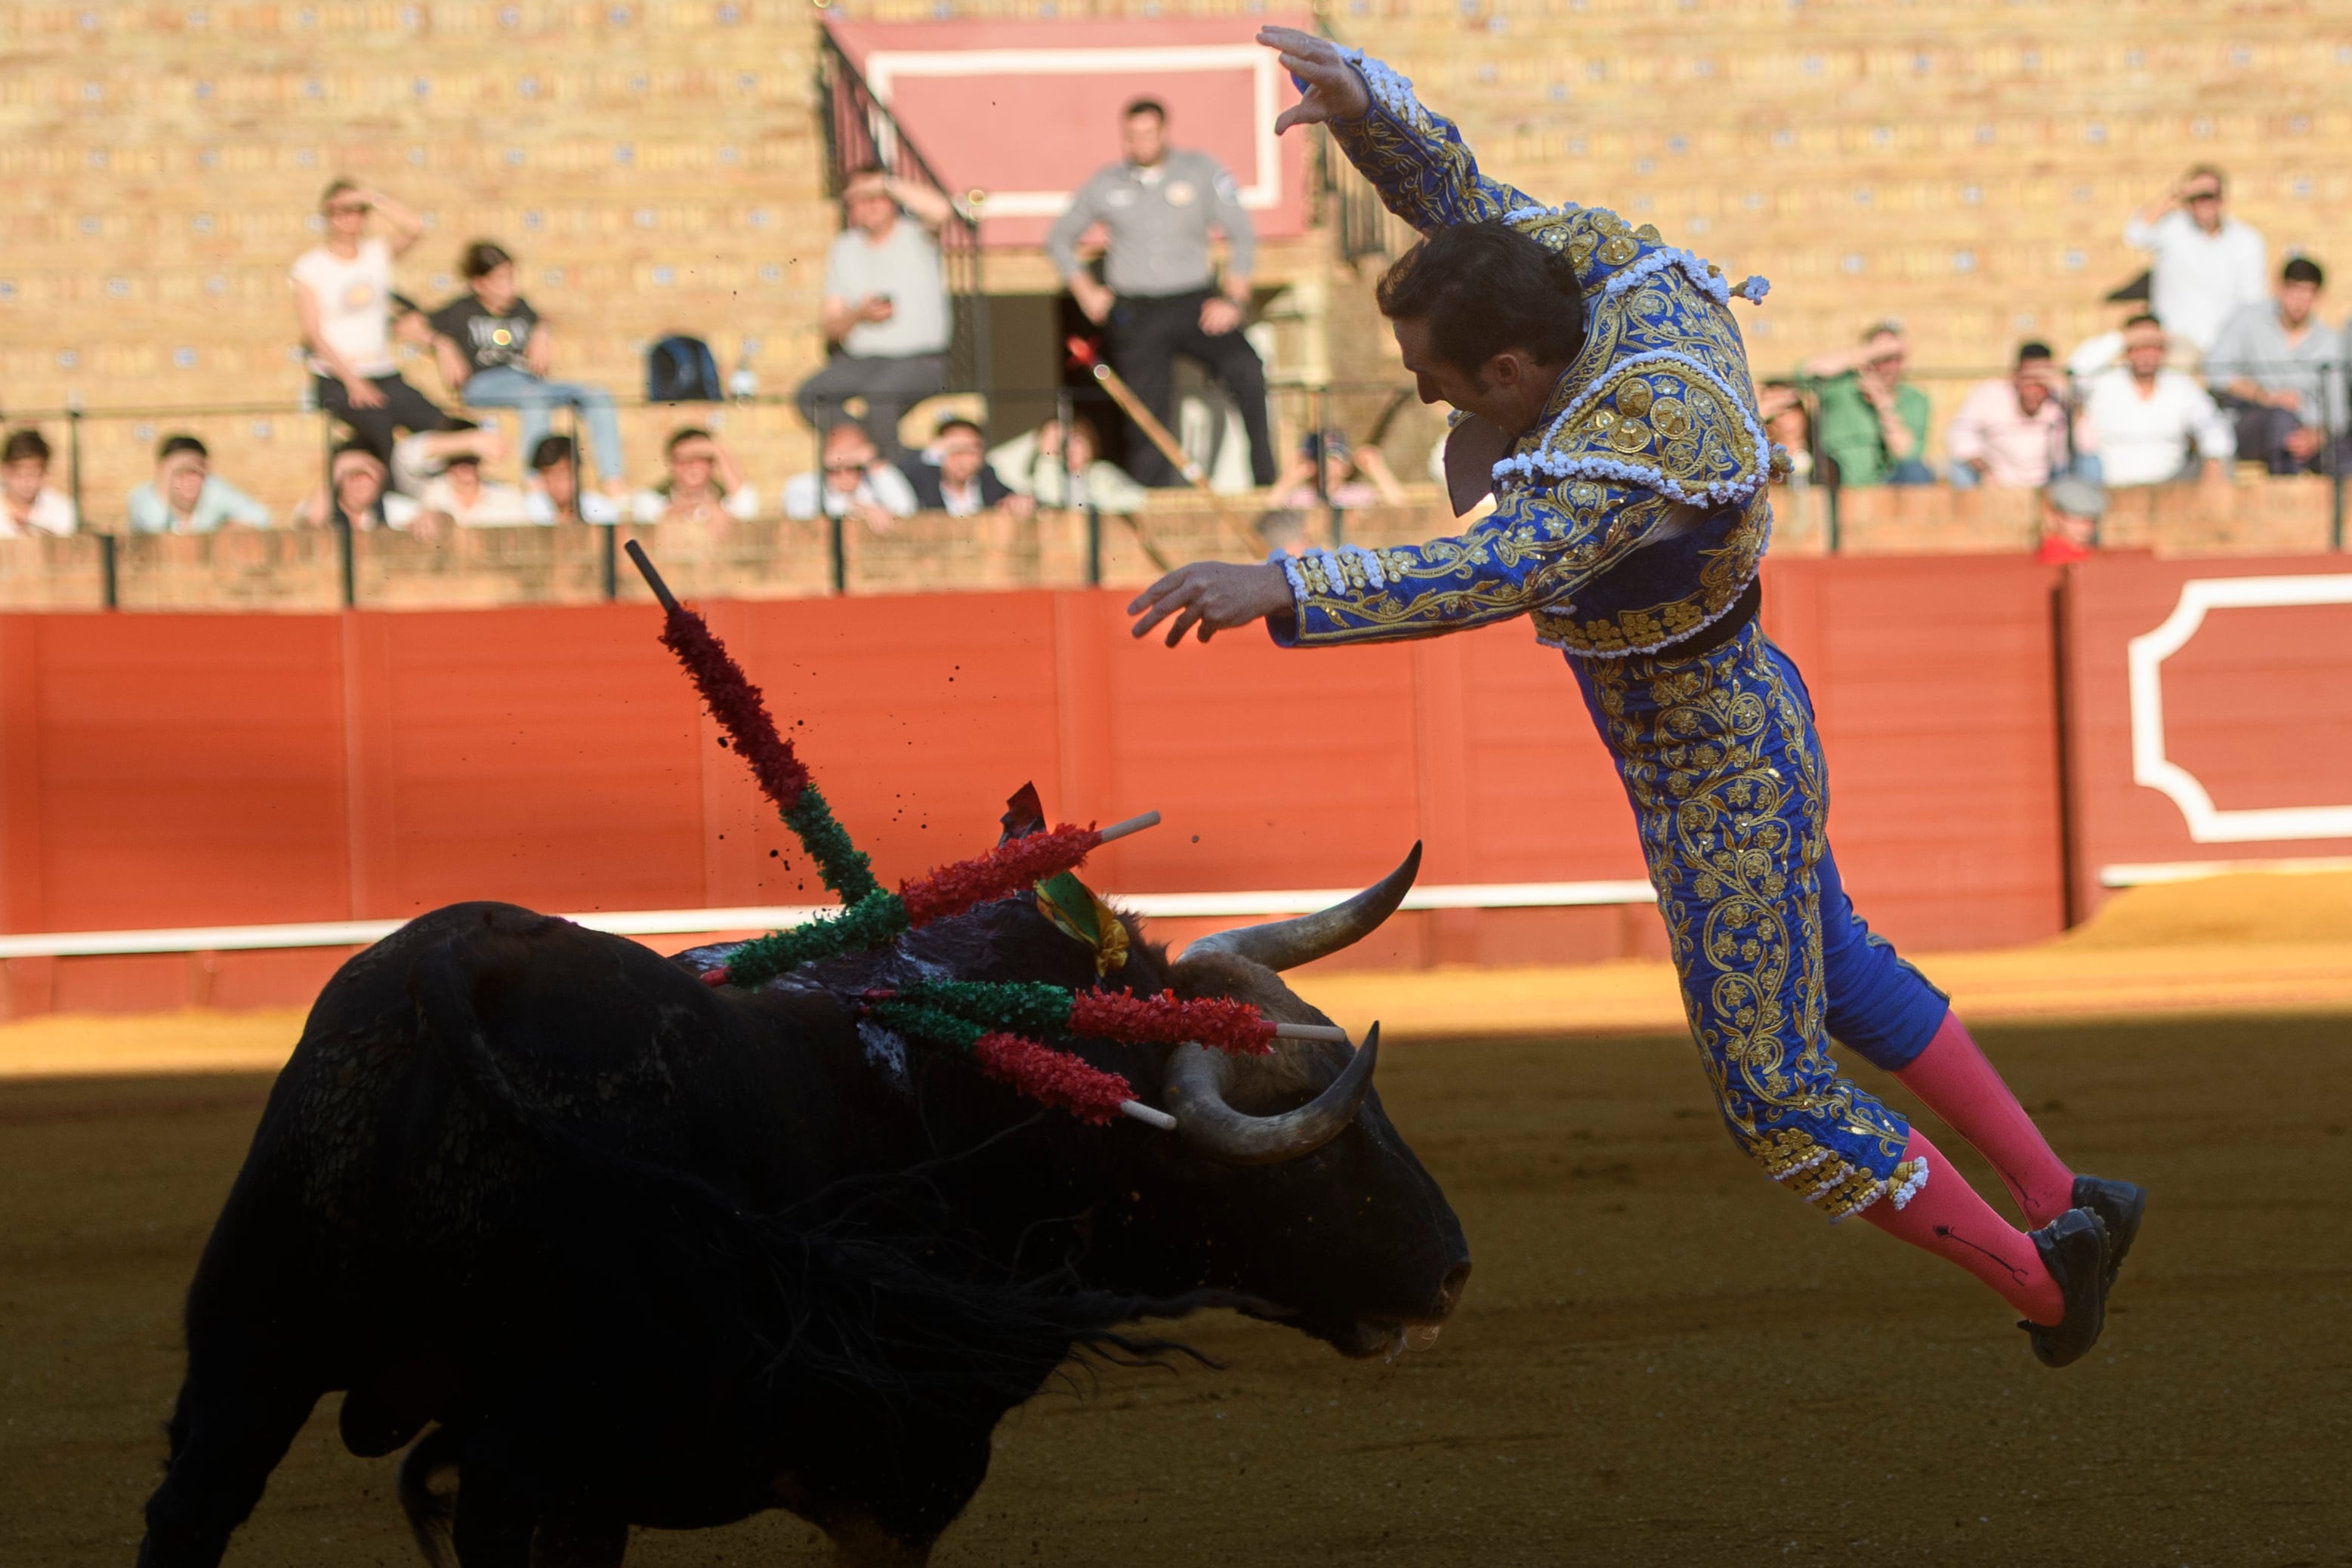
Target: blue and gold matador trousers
x=1720, y=760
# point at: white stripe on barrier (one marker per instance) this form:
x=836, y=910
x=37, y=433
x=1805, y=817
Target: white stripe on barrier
x=672, y=922
x=2154, y=872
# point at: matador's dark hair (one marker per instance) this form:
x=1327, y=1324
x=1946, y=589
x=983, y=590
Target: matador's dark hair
x=1484, y=287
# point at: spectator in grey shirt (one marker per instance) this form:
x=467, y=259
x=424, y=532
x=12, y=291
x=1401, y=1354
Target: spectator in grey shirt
x=2279, y=372
x=1162, y=297
x=885, y=307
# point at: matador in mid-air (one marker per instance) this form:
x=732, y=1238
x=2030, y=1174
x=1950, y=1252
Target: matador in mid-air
x=1603, y=396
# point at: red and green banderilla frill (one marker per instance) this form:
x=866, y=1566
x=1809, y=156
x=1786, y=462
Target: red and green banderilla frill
x=992, y=1022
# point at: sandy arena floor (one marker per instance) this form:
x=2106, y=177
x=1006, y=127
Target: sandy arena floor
x=1662, y=1360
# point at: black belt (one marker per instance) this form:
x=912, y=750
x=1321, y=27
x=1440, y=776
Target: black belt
x=1733, y=622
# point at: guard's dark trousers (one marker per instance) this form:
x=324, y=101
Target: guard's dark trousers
x=1147, y=333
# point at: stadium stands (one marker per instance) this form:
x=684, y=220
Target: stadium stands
x=658, y=167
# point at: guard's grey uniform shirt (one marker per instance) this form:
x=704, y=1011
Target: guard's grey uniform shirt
x=1157, y=220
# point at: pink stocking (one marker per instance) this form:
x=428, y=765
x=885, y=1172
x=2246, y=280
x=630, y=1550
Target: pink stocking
x=1960, y=1085
x=1945, y=1217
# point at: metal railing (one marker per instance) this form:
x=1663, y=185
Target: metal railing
x=859, y=131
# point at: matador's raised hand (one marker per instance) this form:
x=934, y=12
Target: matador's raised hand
x=1330, y=88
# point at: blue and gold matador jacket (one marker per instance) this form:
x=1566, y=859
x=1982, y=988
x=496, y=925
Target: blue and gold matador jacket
x=1634, y=512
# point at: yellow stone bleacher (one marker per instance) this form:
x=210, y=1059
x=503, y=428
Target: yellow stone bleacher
x=657, y=166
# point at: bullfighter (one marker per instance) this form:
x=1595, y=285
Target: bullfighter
x=1601, y=394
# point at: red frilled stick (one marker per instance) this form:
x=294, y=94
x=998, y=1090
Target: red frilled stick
x=1013, y=866
x=1219, y=1021
x=1053, y=1078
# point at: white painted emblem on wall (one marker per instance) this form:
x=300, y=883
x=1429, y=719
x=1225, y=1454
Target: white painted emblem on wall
x=2208, y=823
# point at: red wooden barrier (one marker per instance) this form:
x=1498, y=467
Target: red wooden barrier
x=172, y=770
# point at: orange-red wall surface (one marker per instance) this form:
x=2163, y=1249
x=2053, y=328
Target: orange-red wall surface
x=201, y=770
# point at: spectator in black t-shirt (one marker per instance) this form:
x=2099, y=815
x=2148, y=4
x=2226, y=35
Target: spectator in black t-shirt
x=493, y=347
x=954, y=476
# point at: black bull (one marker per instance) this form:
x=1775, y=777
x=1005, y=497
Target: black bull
x=617, y=1231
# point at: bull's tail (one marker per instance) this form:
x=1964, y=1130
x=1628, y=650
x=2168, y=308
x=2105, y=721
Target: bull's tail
x=430, y=1511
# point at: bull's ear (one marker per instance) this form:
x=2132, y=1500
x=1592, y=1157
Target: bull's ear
x=1286, y=944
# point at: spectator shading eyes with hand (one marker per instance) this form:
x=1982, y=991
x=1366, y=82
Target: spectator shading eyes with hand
x=1874, y=423
x=703, y=484
x=886, y=305
x=855, y=483
x=1058, y=470
x=27, y=505
x=1354, y=478
x=2203, y=263
x=495, y=350
x=343, y=301
x=186, y=497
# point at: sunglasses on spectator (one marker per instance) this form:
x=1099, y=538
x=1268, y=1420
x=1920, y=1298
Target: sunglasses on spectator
x=847, y=468
x=2203, y=196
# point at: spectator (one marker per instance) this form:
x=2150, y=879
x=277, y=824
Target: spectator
x=2011, y=433
x=2279, y=373
x=855, y=483
x=495, y=350
x=27, y=505
x=885, y=307
x=2070, y=509
x=1874, y=423
x=2206, y=263
x=554, y=495
x=1786, y=423
x=459, y=495
x=185, y=498
x=1162, y=296
x=1351, y=479
x=343, y=295
x=959, y=482
x=1037, y=466
x=358, y=494
x=2141, y=421
x=704, y=484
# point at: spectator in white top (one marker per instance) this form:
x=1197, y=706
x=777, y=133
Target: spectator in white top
x=555, y=495
x=2142, y=421
x=2011, y=433
x=187, y=497
x=27, y=505
x=885, y=307
x=704, y=484
x=2279, y=372
x=343, y=295
x=855, y=483
x=2206, y=263
x=460, y=494
x=1035, y=465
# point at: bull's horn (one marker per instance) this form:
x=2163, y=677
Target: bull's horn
x=1194, y=1089
x=1286, y=944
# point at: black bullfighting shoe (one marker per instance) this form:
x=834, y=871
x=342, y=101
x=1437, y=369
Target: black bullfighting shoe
x=2073, y=1248
x=2119, y=1206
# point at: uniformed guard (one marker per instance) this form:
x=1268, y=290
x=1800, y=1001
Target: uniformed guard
x=1163, y=297
x=1603, y=396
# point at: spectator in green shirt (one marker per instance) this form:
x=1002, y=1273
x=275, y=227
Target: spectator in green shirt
x=1873, y=424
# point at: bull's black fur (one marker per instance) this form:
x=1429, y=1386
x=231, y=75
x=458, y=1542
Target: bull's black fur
x=657, y=1253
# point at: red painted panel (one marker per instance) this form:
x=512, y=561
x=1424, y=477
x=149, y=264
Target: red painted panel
x=989, y=107
x=544, y=756
x=189, y=770
x=2253, y=706
x=1935, y=686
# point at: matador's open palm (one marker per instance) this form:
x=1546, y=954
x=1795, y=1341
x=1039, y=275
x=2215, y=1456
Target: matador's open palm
x=1329, y=87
